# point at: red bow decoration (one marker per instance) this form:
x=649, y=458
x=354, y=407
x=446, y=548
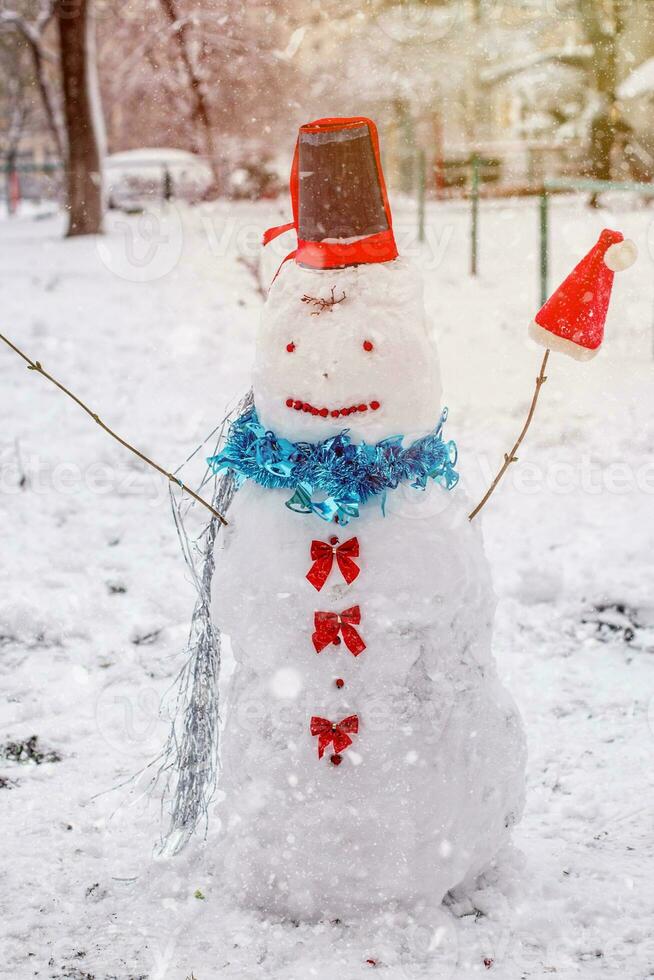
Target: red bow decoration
x=337, y=734
x=323, y=554
x=330, y=624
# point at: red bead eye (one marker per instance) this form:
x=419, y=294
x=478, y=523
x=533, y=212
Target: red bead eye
x=290, y=347
x=368, y=345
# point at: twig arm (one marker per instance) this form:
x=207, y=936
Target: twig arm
x=511, y=456
x=36, y=366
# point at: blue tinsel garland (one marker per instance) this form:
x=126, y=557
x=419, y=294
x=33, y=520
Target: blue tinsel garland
x=343, y=474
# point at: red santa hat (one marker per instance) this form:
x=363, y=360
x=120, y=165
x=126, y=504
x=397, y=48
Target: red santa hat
x=340, y=206
x=572, y=319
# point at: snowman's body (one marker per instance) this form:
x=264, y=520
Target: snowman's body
x=425, y=794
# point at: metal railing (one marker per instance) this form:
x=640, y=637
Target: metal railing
x=557, y=185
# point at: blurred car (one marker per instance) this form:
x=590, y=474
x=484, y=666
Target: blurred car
x=255, y=182
x=134, y=178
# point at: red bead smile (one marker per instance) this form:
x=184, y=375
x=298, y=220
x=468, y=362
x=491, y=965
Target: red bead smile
x=301, y=406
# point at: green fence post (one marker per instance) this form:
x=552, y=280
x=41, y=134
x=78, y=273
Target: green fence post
x=422, y=177
x=7, y=183
x=544, y=256
x=474, y=224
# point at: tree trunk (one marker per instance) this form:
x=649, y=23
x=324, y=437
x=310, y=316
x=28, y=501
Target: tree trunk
x=603, y=26
x=46, y=99
x=32, y=35
x=83, y=173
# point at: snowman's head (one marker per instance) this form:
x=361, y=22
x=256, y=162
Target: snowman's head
x=347, y=348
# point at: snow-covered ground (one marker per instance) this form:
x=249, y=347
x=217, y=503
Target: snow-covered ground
x=153, y=326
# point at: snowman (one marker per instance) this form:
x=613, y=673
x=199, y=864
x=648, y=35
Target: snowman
x=370, y=754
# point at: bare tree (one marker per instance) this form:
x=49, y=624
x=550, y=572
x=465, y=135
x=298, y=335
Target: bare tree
x=16, y=113
x=83, y=172
x=200, y=103
x=219, y=69
x=31, y=33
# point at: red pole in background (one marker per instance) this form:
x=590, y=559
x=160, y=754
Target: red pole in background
x=13, y=191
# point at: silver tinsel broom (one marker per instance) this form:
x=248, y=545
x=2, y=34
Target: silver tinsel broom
x=190, y=761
